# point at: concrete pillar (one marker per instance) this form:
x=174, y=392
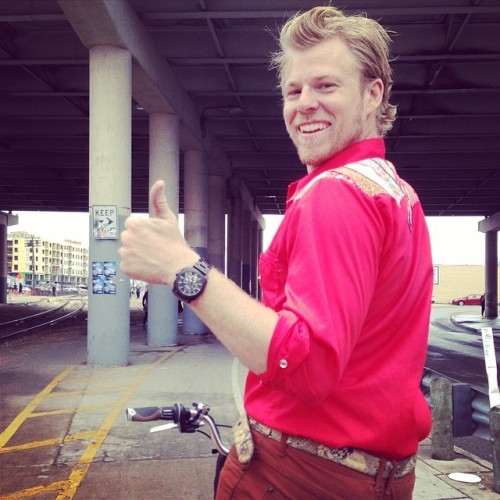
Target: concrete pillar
x=195, y=221
x=3, y=263
x=216, y=225
x=254, y=259
x=259, y=243
x=491, y=275
x=246, y=244
x=108, y=327
x=5, y=221
x=163, y=164
x=234, y=233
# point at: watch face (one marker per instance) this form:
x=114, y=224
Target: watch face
x=189, y=283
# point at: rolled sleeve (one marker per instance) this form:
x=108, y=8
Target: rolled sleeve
x=290, y=346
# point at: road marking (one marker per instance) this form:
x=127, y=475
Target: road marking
x=47, y=442
x=69, y=410
x=18, y=421
x=68, y=488
x=81, y=468
x=79, y=392
x=36, y=490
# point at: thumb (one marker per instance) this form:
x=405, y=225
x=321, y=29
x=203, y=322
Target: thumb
x=158, y=200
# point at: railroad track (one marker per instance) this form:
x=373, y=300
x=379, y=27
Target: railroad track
x=50, y=316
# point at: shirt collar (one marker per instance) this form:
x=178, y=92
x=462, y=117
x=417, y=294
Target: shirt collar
x=369, y=148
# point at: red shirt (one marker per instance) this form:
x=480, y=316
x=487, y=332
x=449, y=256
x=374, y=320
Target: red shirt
x=349, y=272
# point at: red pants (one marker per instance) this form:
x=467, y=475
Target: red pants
x=278, y=471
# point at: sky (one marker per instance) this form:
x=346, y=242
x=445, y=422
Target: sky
x=454, y=240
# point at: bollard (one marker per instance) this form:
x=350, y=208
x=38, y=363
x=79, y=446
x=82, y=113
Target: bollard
x=442, y=419
x=495, y=440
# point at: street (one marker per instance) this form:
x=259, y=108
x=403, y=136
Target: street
x=453, y=352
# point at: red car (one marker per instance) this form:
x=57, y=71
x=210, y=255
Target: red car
x=474, y=299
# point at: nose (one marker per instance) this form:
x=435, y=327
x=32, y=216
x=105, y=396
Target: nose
x=307, y=101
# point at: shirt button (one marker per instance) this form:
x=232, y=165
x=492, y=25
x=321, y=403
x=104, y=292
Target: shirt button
x=283, y=363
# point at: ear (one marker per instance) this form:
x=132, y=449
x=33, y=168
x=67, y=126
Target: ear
x=374, y=93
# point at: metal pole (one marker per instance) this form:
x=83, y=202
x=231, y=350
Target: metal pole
x=32, y=263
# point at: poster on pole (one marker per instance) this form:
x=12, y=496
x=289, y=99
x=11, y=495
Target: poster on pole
x=103, y=278
x=105, y=222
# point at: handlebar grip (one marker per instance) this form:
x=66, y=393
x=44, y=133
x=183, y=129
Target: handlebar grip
x=149, y=414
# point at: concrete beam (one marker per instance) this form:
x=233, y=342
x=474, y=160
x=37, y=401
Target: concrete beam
x=490, y=224
x=154, y=84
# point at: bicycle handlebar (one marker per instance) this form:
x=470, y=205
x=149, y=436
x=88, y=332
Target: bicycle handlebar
x=187, y=419
x=150, y=413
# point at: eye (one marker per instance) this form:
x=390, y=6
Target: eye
x=292, y=93
x=326, y=86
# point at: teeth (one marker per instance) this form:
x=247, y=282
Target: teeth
x=312, y=127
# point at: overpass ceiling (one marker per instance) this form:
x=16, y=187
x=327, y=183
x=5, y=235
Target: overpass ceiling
x=446, y=141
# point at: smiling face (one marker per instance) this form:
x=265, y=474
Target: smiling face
x=327, y=107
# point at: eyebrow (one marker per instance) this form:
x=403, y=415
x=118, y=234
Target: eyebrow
x=316, y=79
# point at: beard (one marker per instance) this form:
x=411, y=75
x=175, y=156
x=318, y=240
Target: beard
x=314, y=151
x=314, y=155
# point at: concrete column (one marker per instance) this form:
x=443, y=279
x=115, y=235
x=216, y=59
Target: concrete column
x=5, y=221
x=246, y=244
x=3, y=263
x=260, y=244
x=254, y=259
x=216, y=225
x=163, y=164
x=234, y=233
x=491, y=275
x=195, y=221
x=108, y=327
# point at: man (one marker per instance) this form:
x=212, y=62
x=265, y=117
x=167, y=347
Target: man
x=337, y=347
x=145, y=309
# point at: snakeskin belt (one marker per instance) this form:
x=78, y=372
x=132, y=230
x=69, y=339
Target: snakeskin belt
x=352, y=458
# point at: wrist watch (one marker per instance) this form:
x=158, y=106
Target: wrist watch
x=191, y=281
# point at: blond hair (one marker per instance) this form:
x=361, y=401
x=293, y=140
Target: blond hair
x=366, y=38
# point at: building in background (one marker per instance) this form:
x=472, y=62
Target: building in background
x=452, y=281
x=39, y=264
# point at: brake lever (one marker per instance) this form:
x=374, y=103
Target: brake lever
x=164, y=427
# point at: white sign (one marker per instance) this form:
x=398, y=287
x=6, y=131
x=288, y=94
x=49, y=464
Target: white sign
x=104, y=222
x=491, y=366
x=436, y=275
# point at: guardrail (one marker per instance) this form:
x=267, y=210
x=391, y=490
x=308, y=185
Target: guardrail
x=460, y=410
x=470, y=409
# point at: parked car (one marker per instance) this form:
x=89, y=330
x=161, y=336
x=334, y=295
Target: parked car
x=474, y=299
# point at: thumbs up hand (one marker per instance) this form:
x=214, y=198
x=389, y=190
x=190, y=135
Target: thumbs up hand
x=154, y=249
x=159, y=203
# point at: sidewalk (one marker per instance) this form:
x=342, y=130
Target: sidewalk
x=433, y=482
x=474, y=322
x=70, y=438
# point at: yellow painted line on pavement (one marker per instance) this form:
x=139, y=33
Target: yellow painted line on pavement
x=95, y=390
x=18, y=421
x=48, y=442
x=36, y=490
x=80, y=470
x=91, y=377
x=68, y=410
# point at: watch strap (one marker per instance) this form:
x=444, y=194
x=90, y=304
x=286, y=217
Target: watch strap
x=202, y=266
